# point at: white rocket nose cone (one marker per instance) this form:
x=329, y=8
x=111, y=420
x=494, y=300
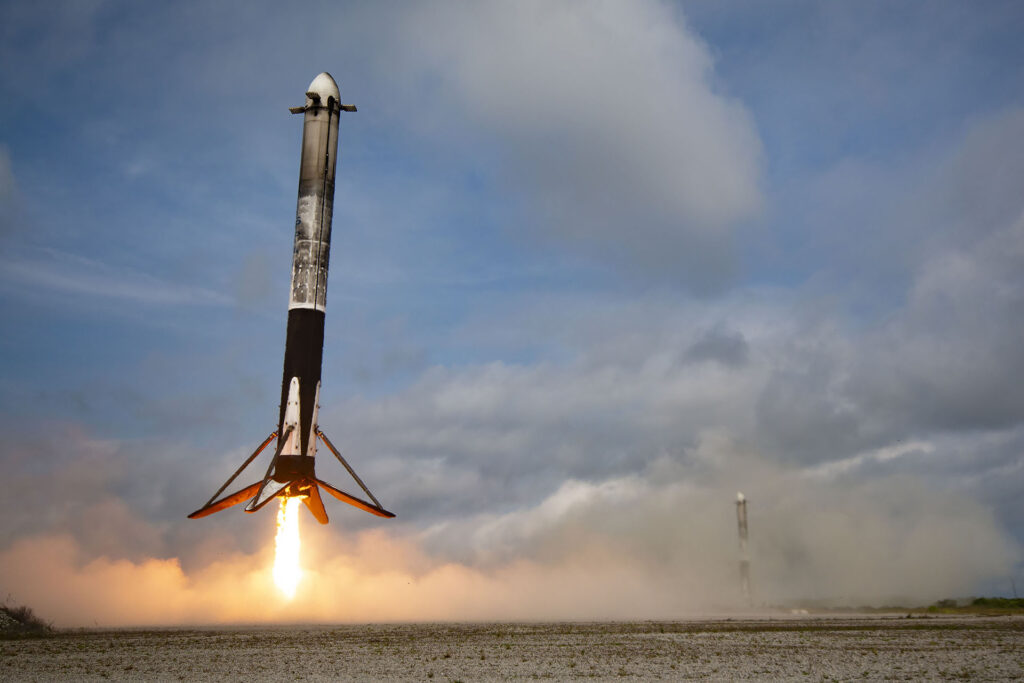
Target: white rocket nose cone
x=324, y=86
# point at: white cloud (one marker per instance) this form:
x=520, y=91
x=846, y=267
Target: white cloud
x=57, y=272
x=609, y=125
x=830, y=470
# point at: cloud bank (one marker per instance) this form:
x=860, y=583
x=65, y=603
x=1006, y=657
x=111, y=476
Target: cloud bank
x=606, y=120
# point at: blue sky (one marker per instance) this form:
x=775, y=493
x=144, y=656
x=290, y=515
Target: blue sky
x=588, y=257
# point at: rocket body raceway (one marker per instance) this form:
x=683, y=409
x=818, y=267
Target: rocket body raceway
x=291, y=472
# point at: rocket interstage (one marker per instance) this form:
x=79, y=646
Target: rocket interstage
x=291, y=472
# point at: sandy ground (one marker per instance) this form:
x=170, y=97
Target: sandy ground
x=845, y=648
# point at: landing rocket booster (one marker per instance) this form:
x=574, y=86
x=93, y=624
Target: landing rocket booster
x=291, y=471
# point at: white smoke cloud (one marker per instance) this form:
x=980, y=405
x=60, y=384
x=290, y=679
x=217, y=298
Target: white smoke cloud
x=633, y=547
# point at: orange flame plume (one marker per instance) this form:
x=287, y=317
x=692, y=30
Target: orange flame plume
x=287, y=572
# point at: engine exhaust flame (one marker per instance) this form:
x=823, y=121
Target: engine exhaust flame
x=287, y=572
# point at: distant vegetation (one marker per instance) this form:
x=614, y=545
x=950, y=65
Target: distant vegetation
x=978, y=606
x=971, y=605
x=22, y=622
x=1001, y=603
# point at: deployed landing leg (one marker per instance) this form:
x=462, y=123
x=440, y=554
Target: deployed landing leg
x=306, y=487
x=376, y=508
x=238, y=496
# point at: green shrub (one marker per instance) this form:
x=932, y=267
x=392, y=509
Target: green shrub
x=27, y=622
x=1000, y=603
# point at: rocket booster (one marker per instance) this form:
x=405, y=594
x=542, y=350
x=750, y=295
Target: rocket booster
x=304, y=345
x=291, y=472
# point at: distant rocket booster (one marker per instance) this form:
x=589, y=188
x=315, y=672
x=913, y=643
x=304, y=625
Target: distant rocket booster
x=741, y=518
x=291, y=471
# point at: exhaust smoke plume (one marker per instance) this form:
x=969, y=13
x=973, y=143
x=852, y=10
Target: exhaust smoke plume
x=627, y=548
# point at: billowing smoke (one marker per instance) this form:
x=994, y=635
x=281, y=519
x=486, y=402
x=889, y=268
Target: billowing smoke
x=639, y=546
